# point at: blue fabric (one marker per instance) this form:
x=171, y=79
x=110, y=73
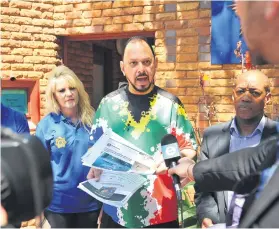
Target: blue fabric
x=67, y=143
x=225, y=33
x=238, y=142
x=14, y=120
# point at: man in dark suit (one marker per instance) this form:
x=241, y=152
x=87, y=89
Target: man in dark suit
x=260, y=21
x=235, y=171
x=247, y=129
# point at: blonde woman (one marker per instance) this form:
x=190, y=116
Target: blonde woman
x=65, y=133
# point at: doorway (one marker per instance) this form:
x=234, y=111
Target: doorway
x=102, y=73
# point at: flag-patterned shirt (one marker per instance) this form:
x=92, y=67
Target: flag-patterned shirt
x=144, y=120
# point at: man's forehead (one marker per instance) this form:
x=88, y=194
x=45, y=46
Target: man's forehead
x=137, y=48
x=250, y=81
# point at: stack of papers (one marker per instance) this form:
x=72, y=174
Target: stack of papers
x=112, y=152
x=123, y=165
x=113, y=188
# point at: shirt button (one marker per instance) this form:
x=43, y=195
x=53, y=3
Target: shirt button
x=91, y=138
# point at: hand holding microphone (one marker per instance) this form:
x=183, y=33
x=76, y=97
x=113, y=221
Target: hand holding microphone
x=184, y=169
x=171, y=154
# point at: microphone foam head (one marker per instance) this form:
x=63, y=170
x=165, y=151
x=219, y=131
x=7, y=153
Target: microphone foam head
x=168, y=139
x=169, y=147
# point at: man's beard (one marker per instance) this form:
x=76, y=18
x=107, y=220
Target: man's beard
x=141, y=89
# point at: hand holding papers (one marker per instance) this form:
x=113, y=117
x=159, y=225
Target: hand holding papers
x=122, y=164
x=94, y=174
x=113, y=188
x=112, y=152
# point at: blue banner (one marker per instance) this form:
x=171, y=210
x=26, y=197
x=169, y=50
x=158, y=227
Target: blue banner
x=227, y=43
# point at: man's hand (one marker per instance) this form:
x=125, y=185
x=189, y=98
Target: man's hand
x=160, y=165
x=184, y=181
x=94, y=173
x=187, y=152
x=206, y=223
x=160, y=162
x=3, y=216
x=184, y=169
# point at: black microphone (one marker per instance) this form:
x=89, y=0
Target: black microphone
x=171, y=154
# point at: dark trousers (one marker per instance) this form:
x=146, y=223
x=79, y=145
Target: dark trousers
x=73, y=220
x=107, y=222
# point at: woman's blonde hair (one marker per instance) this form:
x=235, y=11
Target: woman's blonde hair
x=85, y=110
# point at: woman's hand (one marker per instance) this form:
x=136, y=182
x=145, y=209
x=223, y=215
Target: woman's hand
x=94, y=174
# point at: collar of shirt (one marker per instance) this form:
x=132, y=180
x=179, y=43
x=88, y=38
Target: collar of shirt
x=259, y=129
x=60, y=117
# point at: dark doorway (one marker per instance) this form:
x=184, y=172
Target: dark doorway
x=102, y=73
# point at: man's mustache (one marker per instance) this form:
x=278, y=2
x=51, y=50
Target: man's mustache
x=141, y=74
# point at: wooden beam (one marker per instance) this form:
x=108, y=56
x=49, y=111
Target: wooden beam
x=109, y=36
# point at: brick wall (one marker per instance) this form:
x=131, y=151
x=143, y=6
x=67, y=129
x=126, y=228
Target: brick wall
x=182, y=44
x=80, y=60
x=28, y=43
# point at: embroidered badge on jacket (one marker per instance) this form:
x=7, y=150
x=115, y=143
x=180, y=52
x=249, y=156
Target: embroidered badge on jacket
x=60, y=142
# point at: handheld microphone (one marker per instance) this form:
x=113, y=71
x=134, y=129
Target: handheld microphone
x=171, y=154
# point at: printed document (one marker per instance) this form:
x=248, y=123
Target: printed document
x=112, y=152
x=113, y=188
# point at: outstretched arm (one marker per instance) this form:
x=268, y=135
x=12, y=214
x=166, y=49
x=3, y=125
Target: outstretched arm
x=222, y=173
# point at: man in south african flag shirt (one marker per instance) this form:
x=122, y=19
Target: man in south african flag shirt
x=143, y=113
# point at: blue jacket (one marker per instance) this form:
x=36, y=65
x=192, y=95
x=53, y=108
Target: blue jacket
x=67, y=143
x=14, y=120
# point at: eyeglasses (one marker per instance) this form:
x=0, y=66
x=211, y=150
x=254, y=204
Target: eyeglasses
x=254, y=92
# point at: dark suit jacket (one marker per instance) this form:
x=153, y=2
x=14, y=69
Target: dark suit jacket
x=224, y=172
x=264, y=211
x=216, y=142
